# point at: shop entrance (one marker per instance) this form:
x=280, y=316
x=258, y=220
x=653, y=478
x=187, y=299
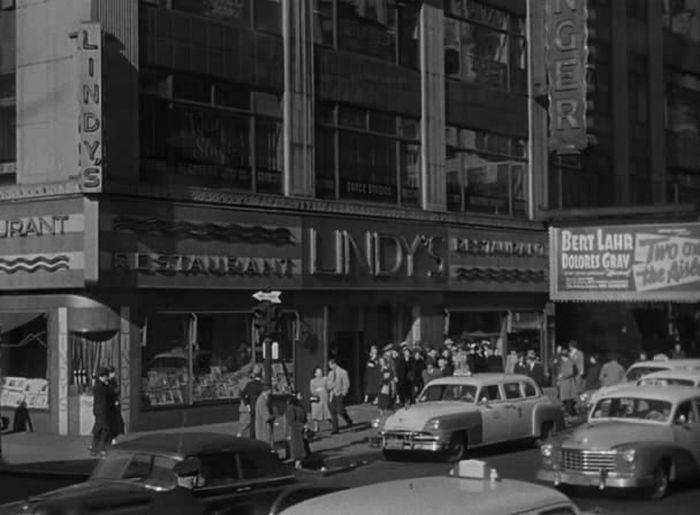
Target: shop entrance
x=347, y=348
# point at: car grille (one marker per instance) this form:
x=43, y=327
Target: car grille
x=587, y=461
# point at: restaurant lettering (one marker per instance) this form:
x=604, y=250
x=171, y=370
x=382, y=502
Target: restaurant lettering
x=566, y=68
x=90, y=106
x=377, y=254
x=190, y=264
x=483, y=247
x=33, y=226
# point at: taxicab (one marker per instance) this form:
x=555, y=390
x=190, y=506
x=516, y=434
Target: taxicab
x=638, y=370
x=457, y=413
x=689, y=378
x=472, y=487
x=637, y=436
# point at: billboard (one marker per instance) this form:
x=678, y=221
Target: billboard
x=566, y=58
x=657, y=262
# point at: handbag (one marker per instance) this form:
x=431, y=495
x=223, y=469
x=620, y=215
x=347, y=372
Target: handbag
x=314, y=398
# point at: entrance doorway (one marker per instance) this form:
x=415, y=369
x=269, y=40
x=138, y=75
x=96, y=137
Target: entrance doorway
x=347, y=348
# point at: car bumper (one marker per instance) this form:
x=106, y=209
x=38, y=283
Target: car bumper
x=413, y=442
x=601, y=479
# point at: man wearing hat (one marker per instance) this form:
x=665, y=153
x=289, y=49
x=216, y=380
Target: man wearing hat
x=180, y=499
x=103, y=410
x=249, y=397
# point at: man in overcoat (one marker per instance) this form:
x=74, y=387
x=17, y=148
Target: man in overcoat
x=103, y=410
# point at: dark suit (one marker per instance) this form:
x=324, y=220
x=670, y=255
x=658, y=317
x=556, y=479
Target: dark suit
x=536, y=372
x=251, y=392
x=103, y=410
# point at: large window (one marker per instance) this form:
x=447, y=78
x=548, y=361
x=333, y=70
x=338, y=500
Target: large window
x=485, y=46
x=23, y=360
x=683, y=103
x=581, y=181
x=682, y=17
x=486, y=172
x=193, y=358
x=264, y=15
x=201, y=132
x=367, y=155
x=8, y=133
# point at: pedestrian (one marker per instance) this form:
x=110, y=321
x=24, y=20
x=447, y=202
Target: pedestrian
x=520, y=365
x=612, y=372
x=21, y=420
x=461, y=363
x=372, y=376
x=387, y=394
x=535, y=369
x=405, y=376
x=296, y=429
x=117, y=419
x=592, y=378
x=431, y=372
x=249, y=397
x=320, y=411
x=442, y=367
x=180, y=500
x=103, y=410
x=677, y=352
x=511, y=360
x=566, y=382
x=418, y=368
x=264, y=418
x=338, y=388
x=579, y=361
x=493, y=363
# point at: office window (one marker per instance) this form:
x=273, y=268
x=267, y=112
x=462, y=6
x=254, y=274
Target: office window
x=683, y=103
x=584, y=180
x=368, y=27
x=367, y=155
x=324, y=26
x=486, y=172
x=233, y=11
x=200, y=132
x=682, y=17
x=485, y=46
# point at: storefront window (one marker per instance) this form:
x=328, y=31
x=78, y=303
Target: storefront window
x=202, y=134
x=194, y=358
x=486, y=172
x=485, y=45
x=90, y=351
x=371, y=155
x=682, y=17
x=23, y=360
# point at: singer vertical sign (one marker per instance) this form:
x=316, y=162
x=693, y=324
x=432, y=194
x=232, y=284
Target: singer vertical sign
x=566, y=51
x=90, y=106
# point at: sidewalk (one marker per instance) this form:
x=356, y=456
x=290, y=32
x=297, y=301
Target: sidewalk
x=69, y=455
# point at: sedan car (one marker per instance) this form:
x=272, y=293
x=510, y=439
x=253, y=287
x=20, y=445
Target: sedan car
x=457, y=413
x=638, y=436
x=237, y=475
x=470, y=488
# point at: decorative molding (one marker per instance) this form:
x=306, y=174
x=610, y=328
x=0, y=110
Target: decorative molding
x=205, y=231
x=39, y=190
x=36, y=264
x=493, y=274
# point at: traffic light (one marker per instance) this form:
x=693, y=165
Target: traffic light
x=260, y=317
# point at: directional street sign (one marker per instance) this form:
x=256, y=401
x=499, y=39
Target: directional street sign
x=269, y=296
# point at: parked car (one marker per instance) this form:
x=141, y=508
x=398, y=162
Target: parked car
x=457, y=413
x=470, y=488
x=637, y=436
x=635, y=372
x=237, y=475
x=681, y=377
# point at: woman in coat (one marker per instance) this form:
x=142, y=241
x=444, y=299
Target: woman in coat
x=264, y=417
x=296, y=424
x=566, y=382
x=373, y=376
x=318, y=391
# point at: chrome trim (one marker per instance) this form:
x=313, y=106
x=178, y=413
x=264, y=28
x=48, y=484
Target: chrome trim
x=581, y=460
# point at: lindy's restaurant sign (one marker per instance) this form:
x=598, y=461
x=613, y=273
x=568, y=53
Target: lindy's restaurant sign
x=637, y=262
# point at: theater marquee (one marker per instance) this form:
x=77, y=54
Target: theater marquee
x=626, y=263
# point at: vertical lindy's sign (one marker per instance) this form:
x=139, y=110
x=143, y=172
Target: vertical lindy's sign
x=90, y=102
x=566, y=49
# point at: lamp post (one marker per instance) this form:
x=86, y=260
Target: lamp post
x=266, y=319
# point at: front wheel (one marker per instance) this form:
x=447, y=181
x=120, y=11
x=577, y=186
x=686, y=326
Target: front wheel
x=455, y=449
x=662, y=482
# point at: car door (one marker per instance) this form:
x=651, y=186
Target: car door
x=494, y=418
x=517, y=410
x=686, y=433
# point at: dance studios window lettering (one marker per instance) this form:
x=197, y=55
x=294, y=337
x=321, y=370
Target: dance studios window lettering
x=190, y=264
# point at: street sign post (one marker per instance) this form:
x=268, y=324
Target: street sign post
x=268, y=296
x=266, y=319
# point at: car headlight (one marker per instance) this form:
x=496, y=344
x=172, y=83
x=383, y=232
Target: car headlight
x=629, y=455
x=547, y=450
x=433, y=424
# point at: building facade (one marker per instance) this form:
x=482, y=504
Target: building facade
x=637, y=178
x=163, y=160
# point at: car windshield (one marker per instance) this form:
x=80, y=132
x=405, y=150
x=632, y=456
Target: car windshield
x=448, y=392
x=635, y=373
x=666, y=381
x=137, y=467
x=633, y=408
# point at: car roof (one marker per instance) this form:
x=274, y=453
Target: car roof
x=668, y=363
x=190, y=443
x=680, y=373
x=674, y=394
x=481, y=378
x=437, y=495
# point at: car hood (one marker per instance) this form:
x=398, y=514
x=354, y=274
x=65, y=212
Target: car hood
x=416, y=416
x=101, y=491
x=606, y=435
